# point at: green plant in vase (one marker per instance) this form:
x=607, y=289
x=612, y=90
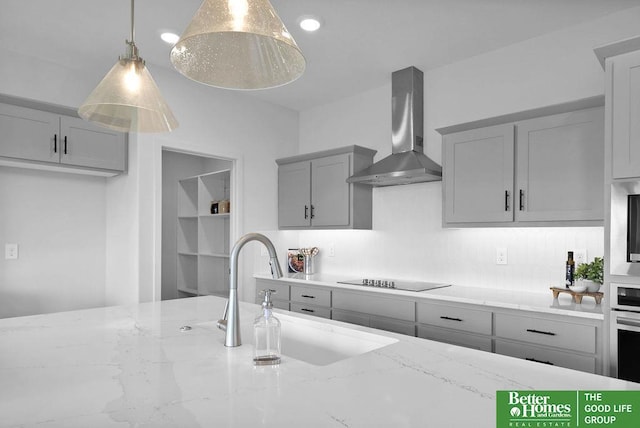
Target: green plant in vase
x=591, y=275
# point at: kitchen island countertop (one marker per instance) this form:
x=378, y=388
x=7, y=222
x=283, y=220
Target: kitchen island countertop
x=538, y=301
x=133, y=366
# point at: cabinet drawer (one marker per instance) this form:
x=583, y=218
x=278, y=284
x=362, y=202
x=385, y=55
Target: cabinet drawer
x=455, y=338
x=350, y=317
x=547, y=356
x=282, y=290
x=384, y=306
x=576, y=337
x=281, y=304
x=311, y=310
x=457, y=318
x=311, y=296
x=394, y=326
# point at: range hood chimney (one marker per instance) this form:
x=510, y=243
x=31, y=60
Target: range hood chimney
x=407, y=164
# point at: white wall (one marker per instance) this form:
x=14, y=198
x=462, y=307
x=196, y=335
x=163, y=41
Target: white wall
x=58, y=220
x=407, y=240
x=213, y=122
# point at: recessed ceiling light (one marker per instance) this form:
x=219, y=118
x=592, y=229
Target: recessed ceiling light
x=169, y=38
x=309, y=24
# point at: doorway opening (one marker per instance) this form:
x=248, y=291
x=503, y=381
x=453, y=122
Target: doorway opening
x=198, y=213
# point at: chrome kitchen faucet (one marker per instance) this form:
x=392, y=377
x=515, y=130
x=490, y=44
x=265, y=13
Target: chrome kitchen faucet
x=230, y=321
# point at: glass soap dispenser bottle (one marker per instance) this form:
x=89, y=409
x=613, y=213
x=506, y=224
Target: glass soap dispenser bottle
x=266, y=331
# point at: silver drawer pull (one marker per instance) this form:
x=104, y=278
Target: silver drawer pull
x=308, y=297
x=628, y=321
x=548, y=333
x=307, y=310
x=450, y=319
x=549, y=363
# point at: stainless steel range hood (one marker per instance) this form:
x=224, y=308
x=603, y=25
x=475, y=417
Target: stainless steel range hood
x=407, y=164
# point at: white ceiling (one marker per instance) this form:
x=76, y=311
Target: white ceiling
x=360, y=44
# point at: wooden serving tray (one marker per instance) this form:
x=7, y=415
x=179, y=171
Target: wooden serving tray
x=577, y=297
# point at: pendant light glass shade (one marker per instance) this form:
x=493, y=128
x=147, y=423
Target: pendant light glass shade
x=127, y=99
x=238, y=44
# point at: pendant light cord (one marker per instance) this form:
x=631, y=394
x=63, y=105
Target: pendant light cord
x=132, y=22
x=132, y=50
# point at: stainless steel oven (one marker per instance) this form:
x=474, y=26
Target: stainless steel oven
x=625, y=331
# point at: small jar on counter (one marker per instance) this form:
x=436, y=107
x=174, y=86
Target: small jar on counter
x=215, y=207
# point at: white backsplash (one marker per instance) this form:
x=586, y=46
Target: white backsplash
x=408, y=242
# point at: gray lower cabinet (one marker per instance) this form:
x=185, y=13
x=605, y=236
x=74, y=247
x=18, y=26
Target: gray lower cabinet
x=313, y=192
x=312, y=301
x=537, y=171
x=281, y=296
x=548, y=341
x=552, y=339
x=456, y=325
x=32, y=135
x=384, y=313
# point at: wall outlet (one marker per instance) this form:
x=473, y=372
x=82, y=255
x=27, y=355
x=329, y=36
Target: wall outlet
x=332, y=250
x=501, y=256
x=11, y=251
x=579, y=256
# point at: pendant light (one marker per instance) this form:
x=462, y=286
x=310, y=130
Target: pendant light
x=127, y=99
x=238, y=44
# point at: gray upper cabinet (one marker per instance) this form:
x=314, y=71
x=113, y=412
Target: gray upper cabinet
x=544, y=170
x=29, y=134
x=88, y=145
x=478, y=175
x=561, y=167
x=313, y=192
x=625, y=130
x=34, y=136
x=294, y=194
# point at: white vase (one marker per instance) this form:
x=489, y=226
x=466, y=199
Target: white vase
x=591, y=286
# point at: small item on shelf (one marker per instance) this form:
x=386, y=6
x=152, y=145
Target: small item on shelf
x=577, y=296
x=295, y=261
x=224, y=206
x=308, y=254
x=569, y=270
x=215, y=205
x=266, y=330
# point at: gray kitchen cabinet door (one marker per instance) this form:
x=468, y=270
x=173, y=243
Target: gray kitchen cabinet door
x=29, y=134
x=84, y=144
x=560, y=167
x=329, y=191
x=625, y=129
x=478, y=175
x=294, y=194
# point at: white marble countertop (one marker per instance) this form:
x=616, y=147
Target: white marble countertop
x=522, y=300
x=132, y=366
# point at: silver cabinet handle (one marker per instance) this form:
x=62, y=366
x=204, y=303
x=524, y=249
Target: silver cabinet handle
x=521, y=200
x=306, y=212
x=308, y=296
x=506, y=200
x=307, y=310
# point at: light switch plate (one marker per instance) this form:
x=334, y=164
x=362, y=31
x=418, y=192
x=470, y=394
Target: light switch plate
x=11, y=251
x=579, y=256
x=501, y=256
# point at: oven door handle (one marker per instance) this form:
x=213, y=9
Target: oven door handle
x=628, y=322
